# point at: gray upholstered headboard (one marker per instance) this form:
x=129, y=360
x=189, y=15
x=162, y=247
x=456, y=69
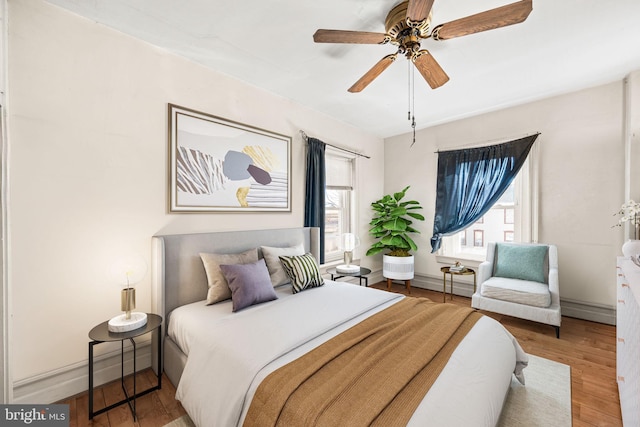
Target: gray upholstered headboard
x=178, y=276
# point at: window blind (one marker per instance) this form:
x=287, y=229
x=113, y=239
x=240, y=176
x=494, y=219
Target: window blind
x=339, y=172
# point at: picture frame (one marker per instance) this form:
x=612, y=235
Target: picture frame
x=217, y=165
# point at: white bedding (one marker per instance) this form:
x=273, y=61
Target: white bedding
x=230, y=353
x=187, y=321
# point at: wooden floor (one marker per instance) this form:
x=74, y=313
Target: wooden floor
x=588, y=347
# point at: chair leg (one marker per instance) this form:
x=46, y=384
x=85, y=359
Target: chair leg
x=557, y=331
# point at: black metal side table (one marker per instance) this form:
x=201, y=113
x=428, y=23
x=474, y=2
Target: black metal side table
x=100, y=334
x=362, y=275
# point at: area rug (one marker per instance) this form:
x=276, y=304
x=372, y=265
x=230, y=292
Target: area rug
x=183, y=421
x=544, y=401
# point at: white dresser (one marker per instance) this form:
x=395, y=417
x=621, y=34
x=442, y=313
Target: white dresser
x=628, y=337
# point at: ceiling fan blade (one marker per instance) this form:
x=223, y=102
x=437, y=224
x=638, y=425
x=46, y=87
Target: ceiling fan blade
x=418, y=10
x=510, y=14
x=430, y=69
x=374, y=72
x=343, y=36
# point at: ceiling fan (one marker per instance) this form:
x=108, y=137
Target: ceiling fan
x=408, y=23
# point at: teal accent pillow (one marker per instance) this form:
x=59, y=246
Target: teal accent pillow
x=525, y=262
x=303, y=271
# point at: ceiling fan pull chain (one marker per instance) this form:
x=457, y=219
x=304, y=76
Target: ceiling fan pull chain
x=413, y=126
x=409, y=91
x=413, y=93
x=412, y=100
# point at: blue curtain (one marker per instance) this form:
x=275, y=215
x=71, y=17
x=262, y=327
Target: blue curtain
x=315, y=185
x=471, y=181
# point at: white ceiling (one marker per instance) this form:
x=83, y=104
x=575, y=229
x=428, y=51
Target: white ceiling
x=563, y=46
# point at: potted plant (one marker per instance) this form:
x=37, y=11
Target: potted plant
x=391, y=226
x=630, y=212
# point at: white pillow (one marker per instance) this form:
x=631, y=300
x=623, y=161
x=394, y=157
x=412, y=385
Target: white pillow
x=218, y=286
x=272, y=258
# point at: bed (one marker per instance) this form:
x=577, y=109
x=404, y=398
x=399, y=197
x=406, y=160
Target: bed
x=223, y=361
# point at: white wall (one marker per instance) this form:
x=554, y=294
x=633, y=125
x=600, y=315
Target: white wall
x=88, y=170
x=4, y=312
x=632, y=131
x=581, y=180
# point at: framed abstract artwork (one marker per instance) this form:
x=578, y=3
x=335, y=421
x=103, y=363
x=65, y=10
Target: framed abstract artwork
x=221, y=165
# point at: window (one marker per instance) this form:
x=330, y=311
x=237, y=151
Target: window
x=339, y=202
x=508, y=215
x=478, y=238
x=512, y=219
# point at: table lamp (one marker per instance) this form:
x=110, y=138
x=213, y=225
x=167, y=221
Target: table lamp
x=348, y=242
x=127, y=271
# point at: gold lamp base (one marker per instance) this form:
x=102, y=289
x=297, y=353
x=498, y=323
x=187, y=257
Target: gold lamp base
x=128, y=301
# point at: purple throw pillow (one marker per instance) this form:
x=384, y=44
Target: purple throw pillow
x=249, y=283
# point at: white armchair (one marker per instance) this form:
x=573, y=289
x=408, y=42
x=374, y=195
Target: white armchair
x=520, y=280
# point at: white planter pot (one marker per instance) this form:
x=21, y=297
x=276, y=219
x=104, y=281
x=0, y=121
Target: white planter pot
x=397, y=267
x=631, y=247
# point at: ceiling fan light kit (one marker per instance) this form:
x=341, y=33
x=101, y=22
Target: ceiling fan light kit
x=408, y=23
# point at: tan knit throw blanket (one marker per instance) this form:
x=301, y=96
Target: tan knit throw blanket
x=375, y=373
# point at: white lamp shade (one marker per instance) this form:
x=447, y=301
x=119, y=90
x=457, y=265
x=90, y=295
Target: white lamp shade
x=349, y=241
x=128, y=270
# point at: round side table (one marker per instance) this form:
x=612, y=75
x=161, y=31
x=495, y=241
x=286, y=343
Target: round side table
x=362, y=275
x=100, y=334
x=447, y=270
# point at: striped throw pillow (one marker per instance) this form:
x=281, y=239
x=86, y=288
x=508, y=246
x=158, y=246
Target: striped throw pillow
x=303, y=271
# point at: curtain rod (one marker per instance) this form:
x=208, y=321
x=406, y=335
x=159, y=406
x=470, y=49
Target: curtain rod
x=306, y=138
x=487, y=143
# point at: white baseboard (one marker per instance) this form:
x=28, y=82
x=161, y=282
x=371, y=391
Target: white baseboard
x=463, y=286
x=62, y=383
x=591, y=312
x=570, y=308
